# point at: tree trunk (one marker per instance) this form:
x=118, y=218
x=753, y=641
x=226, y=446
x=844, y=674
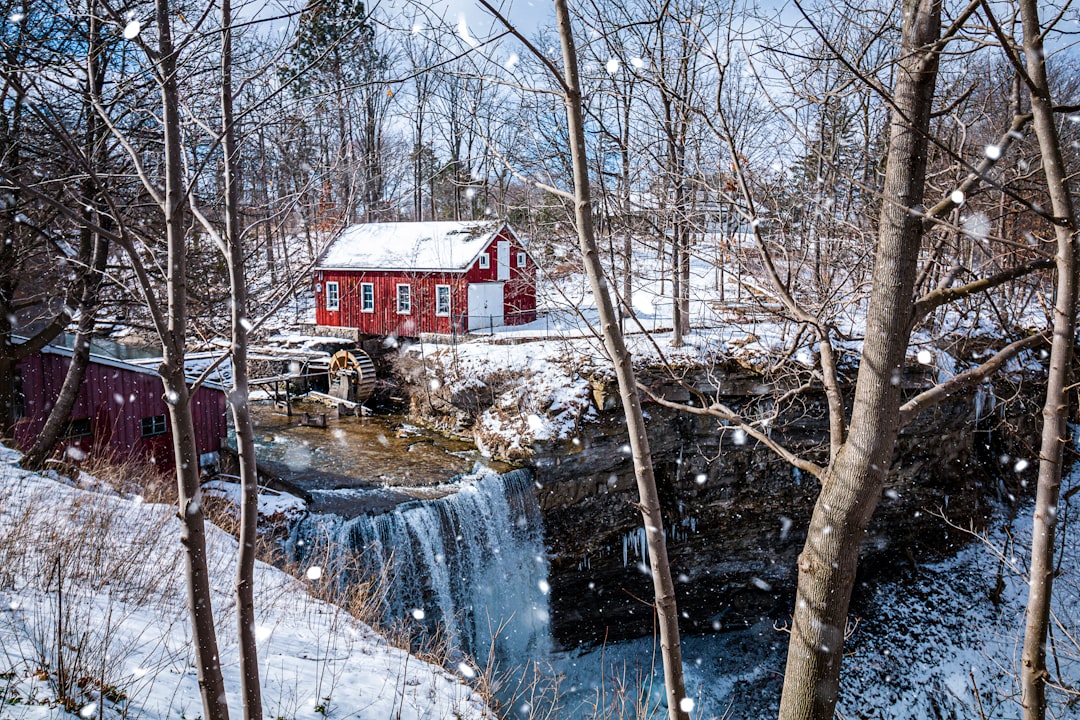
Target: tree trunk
x=178, y=398
x=94, y=254
x=1034, y=673
x=649, y=502
x=60, y=413
x=250, y=688
x=853, y=483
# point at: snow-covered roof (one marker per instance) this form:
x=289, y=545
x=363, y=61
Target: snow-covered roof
x=409, y=246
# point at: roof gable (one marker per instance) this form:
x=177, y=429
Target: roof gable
x=411, y=246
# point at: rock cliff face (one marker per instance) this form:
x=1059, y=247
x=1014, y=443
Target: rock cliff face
x=735, y=513
x=735, y=518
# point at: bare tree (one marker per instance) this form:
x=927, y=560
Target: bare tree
x=173, y=331
x=649, y=502
x=238, y=394
x=93, y=256
x=1034, y=673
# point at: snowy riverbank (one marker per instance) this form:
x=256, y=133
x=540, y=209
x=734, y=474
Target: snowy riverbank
x=93, y=617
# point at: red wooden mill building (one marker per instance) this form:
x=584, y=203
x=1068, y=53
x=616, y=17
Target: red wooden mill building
x=432, y=277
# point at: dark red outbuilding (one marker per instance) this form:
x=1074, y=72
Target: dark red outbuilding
x=120, y=410
x=434, y=277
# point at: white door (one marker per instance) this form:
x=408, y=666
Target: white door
x=502, y=252
x=485, y=305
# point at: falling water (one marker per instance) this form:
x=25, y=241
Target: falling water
x=470, y=565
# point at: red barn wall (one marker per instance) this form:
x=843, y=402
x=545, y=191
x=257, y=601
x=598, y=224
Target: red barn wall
x=116, y=400
x=519, y=296
x=386, y=320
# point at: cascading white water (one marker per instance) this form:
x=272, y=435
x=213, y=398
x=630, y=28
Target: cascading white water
x=470, y=565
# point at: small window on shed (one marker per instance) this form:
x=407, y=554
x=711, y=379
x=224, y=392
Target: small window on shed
x=77, y=428
x=485, y=261
x=521, y=259
x=404, y=299
x=332, y=297
x=154, y=425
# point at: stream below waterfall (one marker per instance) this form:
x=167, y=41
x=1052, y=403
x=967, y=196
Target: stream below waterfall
x=459, y=555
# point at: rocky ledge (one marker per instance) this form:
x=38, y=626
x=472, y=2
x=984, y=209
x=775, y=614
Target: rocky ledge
x=735, y=512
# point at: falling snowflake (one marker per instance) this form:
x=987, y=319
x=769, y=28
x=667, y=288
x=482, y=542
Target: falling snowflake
x=314, y=572
x=612, y=66
x=463, y=32
x=132, y=29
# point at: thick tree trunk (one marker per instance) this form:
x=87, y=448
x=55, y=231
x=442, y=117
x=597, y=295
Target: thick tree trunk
x=238, y=396
x=1034, y=673
x=853, y=483
x=178, y=398
x=649, y=502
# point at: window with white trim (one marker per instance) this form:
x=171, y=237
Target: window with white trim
x=442, y=300
x=333, y=299
x=367, y=297
x=521, y=259
x=485, y=261
x=404, y=299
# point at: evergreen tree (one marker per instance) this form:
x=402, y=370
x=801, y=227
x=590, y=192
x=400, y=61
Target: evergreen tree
x=337, y=63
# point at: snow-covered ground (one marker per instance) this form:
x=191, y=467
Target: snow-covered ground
x=541, y=375
x=93, y=616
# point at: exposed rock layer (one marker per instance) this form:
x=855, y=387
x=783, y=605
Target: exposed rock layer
x=735, y=513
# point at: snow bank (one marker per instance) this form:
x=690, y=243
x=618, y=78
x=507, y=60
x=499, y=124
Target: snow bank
x=93, y=616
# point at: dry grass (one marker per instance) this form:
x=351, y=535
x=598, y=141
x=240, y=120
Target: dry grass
x=80, y=563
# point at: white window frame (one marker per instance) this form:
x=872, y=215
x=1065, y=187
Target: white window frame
x=521, y=258
x=439, y=290
x=485, y=261
x=333, y=290
x=365, y=307
x=406, y=307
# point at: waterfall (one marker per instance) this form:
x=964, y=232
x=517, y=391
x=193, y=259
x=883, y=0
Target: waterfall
x=471, y=565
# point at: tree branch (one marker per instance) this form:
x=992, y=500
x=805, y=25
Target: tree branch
x=723, y=412
x=967, y=379
x=971, y=182
x=942, y=295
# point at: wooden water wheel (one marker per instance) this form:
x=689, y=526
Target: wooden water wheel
x=352, y=375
